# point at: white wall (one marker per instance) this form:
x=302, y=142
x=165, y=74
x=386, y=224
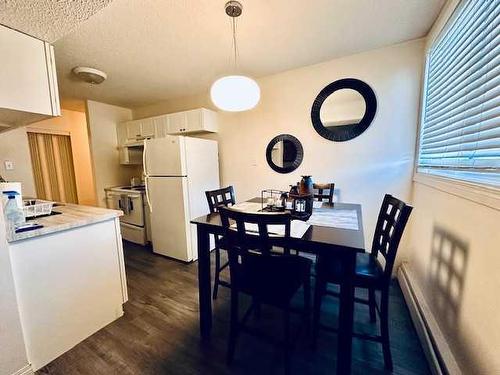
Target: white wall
x=447, y=228
x=454, y=252
x=14, y=147
x=102, y=119
x=12, y=352
x=364, y=169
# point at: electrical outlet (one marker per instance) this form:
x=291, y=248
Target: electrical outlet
x=9, y=165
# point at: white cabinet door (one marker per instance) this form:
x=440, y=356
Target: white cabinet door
x=121, y=133
x=160, y=126
x=147, y=128
x=69, y=285
x=193, y=121
x=177, y=123
x=28, y=79
x=133, y=130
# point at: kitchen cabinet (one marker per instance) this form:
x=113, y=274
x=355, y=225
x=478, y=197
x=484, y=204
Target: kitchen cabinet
x=187, y=122
x=134, y=131
x=69, y=283
x=29, y=91
x=161, y=126
x=147, y=128
x=177, y=122
x=193, y=121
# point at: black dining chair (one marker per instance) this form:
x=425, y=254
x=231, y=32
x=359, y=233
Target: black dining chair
x=324, y=192
x=268, y=277
x=221, y=197
x=370, y=274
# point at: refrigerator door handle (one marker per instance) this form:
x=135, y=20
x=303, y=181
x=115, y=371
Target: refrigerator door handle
x=144, y=164
x=147, y=193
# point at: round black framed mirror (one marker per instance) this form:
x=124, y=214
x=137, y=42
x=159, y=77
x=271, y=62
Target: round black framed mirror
x=344, y=109
x=284, y=153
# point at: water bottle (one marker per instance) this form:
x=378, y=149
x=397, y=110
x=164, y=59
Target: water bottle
x=13, y=215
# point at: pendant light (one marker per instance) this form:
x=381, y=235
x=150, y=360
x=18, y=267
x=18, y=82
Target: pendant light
x=235, y=93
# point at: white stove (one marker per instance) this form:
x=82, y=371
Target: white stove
x=135, y=220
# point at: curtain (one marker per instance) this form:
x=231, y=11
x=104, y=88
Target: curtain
x=53, y=169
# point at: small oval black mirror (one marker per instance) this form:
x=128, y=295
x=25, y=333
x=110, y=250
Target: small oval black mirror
x=284, y=153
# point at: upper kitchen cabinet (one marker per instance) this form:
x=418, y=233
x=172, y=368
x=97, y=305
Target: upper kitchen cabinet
x=133, y=132
x=28, y=92
x=188, y=122
x=160, y=126
x=193, y=121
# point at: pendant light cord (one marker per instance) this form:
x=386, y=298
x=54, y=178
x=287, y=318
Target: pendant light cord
x=235, y=45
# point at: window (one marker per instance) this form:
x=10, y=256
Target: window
x=460, y=130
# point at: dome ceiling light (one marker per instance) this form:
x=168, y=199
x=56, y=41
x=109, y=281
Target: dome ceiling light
x=235, y=93
x=90, y=75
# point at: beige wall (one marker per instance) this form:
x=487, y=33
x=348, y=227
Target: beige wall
x=457, y=240
x=14, y=147
x=454, y=251
x=12, y=352
x=364, y=169
x=102, y=119
x=75, y=124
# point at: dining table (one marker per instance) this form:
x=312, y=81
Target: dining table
x=343, y=242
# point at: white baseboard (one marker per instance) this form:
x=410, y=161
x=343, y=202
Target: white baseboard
x=26, y=370
x=436, y=349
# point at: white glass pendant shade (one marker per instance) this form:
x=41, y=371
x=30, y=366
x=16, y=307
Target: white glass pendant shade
x=235, y=93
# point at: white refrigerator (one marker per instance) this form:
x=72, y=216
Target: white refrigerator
x=178, y=170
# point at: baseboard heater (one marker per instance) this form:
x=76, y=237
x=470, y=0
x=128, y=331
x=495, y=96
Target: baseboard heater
x=436, y=349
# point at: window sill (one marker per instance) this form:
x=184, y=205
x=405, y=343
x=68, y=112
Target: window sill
x=487, y=196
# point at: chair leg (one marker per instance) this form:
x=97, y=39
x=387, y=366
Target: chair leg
x=384, y=328
x=287, y=340
x=372, y=305
x=319, y=291
x=217, y=273
x=233, y=328
x=307, y=301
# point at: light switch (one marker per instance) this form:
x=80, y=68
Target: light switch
x=9, y=165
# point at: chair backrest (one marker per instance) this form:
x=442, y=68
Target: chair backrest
x=220, y=197
x=248, y=244
x=324, y=192
x=391, y=223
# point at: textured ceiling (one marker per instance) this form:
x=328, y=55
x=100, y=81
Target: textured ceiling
x=48, y=20
x=159, y=49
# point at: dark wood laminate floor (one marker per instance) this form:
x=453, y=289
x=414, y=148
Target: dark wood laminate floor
x=159, y=333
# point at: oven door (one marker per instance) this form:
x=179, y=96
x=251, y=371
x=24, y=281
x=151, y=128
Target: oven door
x=130, y=204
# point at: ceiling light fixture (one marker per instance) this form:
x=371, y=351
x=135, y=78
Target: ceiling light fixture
x=90, y=75
x=235, y=93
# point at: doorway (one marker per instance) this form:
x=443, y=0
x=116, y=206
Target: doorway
x=53, y=169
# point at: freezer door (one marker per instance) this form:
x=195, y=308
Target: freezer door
x=170, y=229
x=164, y=157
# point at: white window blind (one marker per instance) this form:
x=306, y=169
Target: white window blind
x=460, y=133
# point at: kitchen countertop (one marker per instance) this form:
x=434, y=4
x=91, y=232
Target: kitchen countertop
x=72, y=216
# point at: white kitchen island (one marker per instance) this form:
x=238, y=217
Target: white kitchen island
x=69, y=278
